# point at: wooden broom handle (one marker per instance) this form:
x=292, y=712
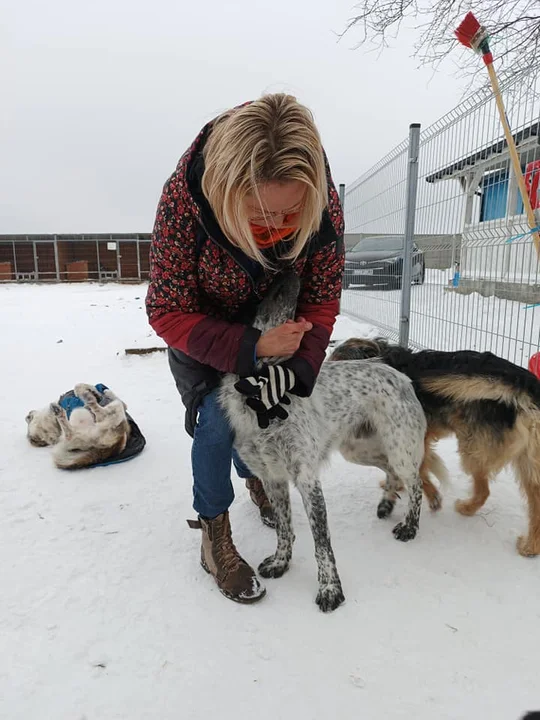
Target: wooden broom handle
x=516, y=164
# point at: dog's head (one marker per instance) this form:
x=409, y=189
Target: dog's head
x=279, y=304
x=359, y=349
x=42, y=428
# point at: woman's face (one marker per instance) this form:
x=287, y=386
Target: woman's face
x=276, y=204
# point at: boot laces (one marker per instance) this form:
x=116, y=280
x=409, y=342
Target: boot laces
x=226, y=551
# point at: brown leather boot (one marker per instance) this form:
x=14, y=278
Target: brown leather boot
x=257, y=494
x=219, y=557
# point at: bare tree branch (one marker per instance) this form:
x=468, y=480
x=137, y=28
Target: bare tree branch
x=513, y=25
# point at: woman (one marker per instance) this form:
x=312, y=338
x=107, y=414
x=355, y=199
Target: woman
x=251, y=197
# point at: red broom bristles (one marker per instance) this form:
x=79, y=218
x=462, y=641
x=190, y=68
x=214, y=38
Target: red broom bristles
x=467, y=30
x=473, y=35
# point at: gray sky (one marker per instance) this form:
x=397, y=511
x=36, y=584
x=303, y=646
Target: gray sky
x=101, y=98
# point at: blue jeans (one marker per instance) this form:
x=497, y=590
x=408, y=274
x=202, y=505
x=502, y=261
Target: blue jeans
x=211, y=455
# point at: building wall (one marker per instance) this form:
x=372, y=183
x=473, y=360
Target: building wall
x=487, y=254
x=36, y=260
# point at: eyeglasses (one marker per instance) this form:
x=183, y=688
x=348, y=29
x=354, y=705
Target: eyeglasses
x=289, y=217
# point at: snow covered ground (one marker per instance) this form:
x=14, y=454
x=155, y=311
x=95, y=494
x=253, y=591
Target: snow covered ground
x=106, y=614
x=446, y=320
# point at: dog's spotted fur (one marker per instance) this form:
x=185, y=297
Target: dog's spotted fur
x=368, y=411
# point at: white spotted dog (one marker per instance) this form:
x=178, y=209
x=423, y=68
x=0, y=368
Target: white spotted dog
x=366, y=410
x=93, y=433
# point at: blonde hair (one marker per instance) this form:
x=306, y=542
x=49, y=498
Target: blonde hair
x=273, y=139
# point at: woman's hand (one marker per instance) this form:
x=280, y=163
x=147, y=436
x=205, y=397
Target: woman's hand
x=284, y=339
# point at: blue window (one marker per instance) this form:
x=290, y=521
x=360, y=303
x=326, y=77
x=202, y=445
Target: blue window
x=495, y=196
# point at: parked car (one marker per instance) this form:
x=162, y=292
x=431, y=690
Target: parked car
x=378, y=262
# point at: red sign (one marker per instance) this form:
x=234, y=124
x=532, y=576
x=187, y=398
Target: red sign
x=534, y=365
x=532, y=178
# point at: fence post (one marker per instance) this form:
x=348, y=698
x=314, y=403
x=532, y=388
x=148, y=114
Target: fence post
x=36, y=263
x=98, y=260
x=15, y=270
x=56, y=261
x=118, y=261
x=410, y=210
x=138, y=258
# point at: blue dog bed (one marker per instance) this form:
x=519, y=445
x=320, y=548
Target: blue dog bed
x=136, y=441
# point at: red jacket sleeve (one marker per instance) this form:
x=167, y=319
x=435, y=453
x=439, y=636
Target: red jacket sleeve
x=173, y=298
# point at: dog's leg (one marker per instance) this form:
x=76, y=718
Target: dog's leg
x=83, y=391
x=407, y=529
x=434, y=497
x=87, y=394
x=61, y=416
x=116, y=408
x=277, y=492
x=392, y=486
x=529, y=545
x=432, y=463
x=480, y=494
x=330, y=595
x=528, y=472
x=475, y=459
x=112, y=396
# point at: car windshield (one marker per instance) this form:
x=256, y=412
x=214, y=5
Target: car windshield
x=379, y=243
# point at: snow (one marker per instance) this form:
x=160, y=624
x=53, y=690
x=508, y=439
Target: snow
x=106, y=614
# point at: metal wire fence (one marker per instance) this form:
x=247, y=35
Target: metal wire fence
x=475, y=281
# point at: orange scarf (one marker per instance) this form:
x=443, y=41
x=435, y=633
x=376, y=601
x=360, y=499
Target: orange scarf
x=266, y=237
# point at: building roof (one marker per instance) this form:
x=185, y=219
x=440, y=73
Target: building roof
x=457, y=168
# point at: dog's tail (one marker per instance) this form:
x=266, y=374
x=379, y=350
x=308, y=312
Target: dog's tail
x=434, y=464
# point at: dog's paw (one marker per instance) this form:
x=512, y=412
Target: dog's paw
x=111, y=397
x=385, y=507
x=57, y=410
x=272, y=567
x=405, y=531
x=84, y=388
x=87, y=392
x=330, y=597
x=526, y=548
x=435, y=501
x=466, y=507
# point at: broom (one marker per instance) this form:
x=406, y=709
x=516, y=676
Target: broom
x=473, y=35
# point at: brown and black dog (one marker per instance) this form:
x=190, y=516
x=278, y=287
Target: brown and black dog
x=492, y=407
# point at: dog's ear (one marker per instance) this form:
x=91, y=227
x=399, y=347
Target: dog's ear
x=364, y=348
x=369, y=348
x=383, y=344
x=30, y=416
